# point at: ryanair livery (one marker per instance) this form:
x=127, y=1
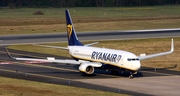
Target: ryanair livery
x=72, y=38
x=105, y=56
x=88, y=58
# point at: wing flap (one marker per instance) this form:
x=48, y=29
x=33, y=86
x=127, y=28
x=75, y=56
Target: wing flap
x=67, y=61
x=53, y=60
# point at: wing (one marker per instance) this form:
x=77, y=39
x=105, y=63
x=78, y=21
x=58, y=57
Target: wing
x=67, y=61
x=49, y=59
x=64, y=48
x=158, y=54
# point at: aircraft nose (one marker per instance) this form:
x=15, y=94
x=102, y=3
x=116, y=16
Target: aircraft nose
x=137, y=65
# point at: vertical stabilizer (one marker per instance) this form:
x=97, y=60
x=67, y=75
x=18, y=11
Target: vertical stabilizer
x=71, y=34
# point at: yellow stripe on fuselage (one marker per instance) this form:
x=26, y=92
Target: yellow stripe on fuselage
x=101, y=62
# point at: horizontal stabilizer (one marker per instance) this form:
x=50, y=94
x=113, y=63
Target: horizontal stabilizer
x=57, y=47
x=91, y=44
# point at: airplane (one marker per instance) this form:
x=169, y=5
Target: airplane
x=88, y=57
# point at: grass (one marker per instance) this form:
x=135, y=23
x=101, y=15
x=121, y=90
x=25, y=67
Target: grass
x=137, y=46
x=16, y=87
x=90, y=11
x=21, y=20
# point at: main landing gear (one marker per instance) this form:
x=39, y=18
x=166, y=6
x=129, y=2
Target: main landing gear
x=131, y=75
x=114, y=72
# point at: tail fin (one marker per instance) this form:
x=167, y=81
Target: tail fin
x=72, y=38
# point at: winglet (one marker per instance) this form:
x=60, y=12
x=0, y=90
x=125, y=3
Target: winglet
x=158, y=54
x=9, y=53
x=172, y=45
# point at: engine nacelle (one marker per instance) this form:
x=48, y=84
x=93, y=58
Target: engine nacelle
x=88, y=67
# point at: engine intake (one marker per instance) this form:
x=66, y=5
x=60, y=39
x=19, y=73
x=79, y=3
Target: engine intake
x=88, y=67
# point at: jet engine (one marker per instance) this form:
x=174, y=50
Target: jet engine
x=88, y=67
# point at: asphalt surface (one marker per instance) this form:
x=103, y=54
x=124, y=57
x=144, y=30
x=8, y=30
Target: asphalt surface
x=111, y=35
x=69, y=75
x=148, y=82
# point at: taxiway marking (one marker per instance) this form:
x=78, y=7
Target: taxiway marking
x=156, y=72
x=46, y=76
x=40, y=65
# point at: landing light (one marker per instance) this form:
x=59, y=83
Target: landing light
x=50, y=58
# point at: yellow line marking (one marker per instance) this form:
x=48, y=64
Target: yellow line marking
x=35, y=74
x=38, y=65
x=3, y=60
x=156, y=72
x=57, y=68
x=22, y=54
x=176, y=77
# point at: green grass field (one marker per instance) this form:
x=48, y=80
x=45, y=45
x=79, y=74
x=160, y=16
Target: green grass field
x=16, y=87
x=92, y=11
x=22, y=20
x=137, y=46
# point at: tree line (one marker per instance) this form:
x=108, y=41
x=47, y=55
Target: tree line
x=84, y=3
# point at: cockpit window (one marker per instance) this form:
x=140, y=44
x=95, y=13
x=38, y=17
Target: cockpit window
x=133, y=59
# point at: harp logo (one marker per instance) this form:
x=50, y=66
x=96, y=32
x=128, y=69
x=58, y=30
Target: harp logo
x=69, y=30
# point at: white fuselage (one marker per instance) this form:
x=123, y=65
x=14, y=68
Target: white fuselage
x=118, y=58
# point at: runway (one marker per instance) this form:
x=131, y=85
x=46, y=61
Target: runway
x=84, y=36
x=150, y=82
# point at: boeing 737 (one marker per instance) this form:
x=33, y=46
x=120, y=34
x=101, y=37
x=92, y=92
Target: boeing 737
x=88, y=58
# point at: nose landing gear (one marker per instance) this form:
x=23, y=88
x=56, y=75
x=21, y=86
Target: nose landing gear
x=131, y=75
